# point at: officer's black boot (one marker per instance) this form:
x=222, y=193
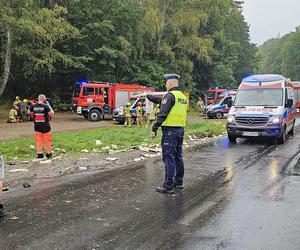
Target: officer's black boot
x=165, y=189
x=178, y=185
x=2, y=211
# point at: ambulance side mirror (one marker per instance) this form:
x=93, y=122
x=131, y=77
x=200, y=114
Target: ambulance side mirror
x=289, y=103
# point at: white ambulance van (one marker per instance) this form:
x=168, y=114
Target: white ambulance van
x=263, y=107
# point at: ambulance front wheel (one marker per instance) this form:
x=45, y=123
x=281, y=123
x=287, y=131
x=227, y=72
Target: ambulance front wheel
x=219, y=115
x=282, y=138
x=231, y=138
x=94, y=115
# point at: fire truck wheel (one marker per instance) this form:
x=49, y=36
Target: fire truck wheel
x=94, y=115
x=219, y=115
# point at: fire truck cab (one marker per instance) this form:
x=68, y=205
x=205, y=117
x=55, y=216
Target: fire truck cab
x=95, y=100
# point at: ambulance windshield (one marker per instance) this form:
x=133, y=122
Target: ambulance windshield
x=259, y=97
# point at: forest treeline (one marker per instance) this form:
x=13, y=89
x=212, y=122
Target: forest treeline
x=282, y=55
x=47, y=45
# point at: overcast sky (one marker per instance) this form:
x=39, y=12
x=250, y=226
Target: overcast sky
x=268, y=18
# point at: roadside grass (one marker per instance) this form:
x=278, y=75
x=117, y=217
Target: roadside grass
x=114, y=138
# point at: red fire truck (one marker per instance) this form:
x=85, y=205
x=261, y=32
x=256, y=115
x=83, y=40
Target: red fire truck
x=296, y=86
x=94, y=100
x=214, y=94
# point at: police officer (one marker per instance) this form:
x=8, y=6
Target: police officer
x=172, y=119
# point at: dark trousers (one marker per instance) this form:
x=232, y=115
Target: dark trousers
x=171, y=142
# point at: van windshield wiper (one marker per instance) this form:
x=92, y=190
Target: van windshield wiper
x=270, y=107
x=241, y=107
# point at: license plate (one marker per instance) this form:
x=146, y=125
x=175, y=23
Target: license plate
x=250, y=133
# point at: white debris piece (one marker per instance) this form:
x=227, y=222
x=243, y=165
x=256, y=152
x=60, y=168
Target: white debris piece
x=98, y=142
x=139, y=159
x=145, y=149
x=146, y=155
x=113, y=146
x=18, y=170
x=46, y=162
x=96, y=150
x=155, y=150
x=106, y=148
x=82, y=168
x=31, y=147
x=111, y=159
x=57, y=157
x=84, y=151
x=25, y=162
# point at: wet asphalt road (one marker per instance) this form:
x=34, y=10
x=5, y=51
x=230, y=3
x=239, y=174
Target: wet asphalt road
x=236, y=196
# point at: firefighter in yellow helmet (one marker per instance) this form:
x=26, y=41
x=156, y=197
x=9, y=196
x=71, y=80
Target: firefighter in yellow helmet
x=153, y=115
x=200, y=106
x=139, y=114
x=17, y=101
x=127, y=114
x=23, y=110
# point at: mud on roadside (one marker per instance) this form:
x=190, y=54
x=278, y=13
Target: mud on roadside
x=21, y=175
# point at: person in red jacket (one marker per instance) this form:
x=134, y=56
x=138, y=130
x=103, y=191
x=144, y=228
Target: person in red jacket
x=42, y=114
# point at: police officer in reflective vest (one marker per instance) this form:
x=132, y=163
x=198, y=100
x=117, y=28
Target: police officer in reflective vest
x=172, y=119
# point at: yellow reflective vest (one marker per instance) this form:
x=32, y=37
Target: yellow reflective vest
x=178, y=114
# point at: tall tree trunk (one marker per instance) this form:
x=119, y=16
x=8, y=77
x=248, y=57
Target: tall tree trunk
x=7, y=63
x=163, y=21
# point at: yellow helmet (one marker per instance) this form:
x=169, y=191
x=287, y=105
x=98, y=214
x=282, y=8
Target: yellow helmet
x=25, y=100
x=17, y=98
x=128, y=104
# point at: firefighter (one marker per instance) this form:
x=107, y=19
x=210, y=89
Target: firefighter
x=24, y=109
x=144, y=113
x=13, y=115
x=172, y=119
x=139, y=114
x=42, y=114
x=127, y=114
x=2, y=211
x=17, y=105
x=153, y=115
x=200, y=106
x=17, y=102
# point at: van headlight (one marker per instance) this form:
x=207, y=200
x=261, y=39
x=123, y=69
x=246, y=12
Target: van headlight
x=276, y=120
x=230, y=119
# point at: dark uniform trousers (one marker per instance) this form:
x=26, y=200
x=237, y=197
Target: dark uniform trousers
x=171, y=142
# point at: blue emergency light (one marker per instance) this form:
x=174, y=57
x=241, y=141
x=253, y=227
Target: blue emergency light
x=263, y=78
